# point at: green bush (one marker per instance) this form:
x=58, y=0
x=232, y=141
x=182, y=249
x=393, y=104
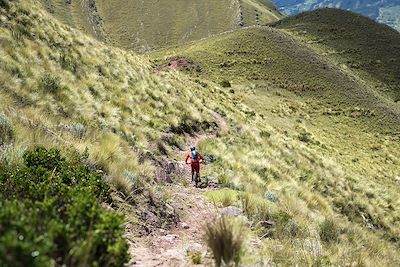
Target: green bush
x=328, y=231
x=305, y=137
x=51, y=214
x=225, y=83
x=50, y=84
x=6, y=130
x=225, y=240
x=68, y=63
x=4, y=4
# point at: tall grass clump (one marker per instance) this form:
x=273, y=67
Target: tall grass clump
x=6, y=130
x=225, y=240
x=224, y=197
x=50, y=83
x=329, y=231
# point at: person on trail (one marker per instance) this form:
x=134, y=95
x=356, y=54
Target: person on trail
x=195, y=160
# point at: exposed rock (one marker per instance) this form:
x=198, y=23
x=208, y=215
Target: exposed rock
x=185, y=226
x=231, y=211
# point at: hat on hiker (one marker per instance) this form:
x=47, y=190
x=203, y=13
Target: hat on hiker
x=192, y=148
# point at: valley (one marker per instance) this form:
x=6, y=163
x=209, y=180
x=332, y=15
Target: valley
x=298, y=119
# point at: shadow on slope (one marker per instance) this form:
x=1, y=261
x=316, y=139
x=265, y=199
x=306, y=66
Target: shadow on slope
x=368, y=48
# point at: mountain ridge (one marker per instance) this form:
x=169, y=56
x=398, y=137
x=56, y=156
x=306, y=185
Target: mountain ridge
x=144, y=26
x=385, y=11
x=302, y=160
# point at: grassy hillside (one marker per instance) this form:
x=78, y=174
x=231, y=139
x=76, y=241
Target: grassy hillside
x=370, y=50
x=266, y=55
x=150, y=25
x=384, y=11
x=286, y=158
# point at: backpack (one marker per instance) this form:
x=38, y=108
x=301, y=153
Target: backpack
x=194, y=155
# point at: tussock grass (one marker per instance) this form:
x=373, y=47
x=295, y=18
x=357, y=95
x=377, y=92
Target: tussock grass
x=7, y=133
x=223, y=197
x=112, y=105
x=224, y=238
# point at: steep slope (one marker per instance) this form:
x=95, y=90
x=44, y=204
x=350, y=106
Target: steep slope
x=148, y=25
x=284, y=160
x=370, y=50
x=272, y=56
x=385, y=11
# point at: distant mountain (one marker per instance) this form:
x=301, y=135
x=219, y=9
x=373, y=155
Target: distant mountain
x=383, y=11
x=148, y=25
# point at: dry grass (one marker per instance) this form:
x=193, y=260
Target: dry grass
x=61, y=88
x=224, y=238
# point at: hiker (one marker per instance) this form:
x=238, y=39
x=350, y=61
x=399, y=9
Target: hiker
x=195, y=160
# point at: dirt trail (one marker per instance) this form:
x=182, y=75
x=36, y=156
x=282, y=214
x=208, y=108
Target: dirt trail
x=171, y=247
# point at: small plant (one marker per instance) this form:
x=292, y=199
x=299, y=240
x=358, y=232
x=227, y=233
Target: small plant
x=328, y=231
x=305, y=137
x=68, y=63
x=265, y=134
x=50, y=84
x=6, y=130
x=225, y=83
x=225, y=240
x=78, y=130
x=225, y=197
x=195, y=257
x=5, y=4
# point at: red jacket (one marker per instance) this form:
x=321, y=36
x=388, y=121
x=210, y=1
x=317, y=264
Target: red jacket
x=194, y=161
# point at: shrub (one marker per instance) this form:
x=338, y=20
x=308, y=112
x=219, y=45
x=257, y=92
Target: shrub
x=225, y=241
x=68, y=63
x=305, y=137
x=50, y=84
x=225, y=83
x=265, y=134
x=51, y=214
x=328, y=231
x=6, y=130
x=5, y=4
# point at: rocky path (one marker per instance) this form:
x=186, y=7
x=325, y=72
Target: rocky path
x=172, y=247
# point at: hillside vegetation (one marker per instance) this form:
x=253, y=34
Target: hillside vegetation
x=148, y=25
x=383, y=11
x=369, y=49
x=314, y=174
x=266, y=55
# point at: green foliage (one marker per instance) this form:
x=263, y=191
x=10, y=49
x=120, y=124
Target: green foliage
x=50, y=83
x=368, y=48
x=225, y=197
x=305, y=137
x=225, y=240
x=7, y=134
x=68, y=63
x=265, y=134
x=195, y=257
x=51, y=213
x=328, y=231
x=4, y=4
x=225, y=83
